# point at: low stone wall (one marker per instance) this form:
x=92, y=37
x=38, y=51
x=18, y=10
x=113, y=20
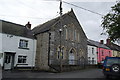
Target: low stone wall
x=56, y=68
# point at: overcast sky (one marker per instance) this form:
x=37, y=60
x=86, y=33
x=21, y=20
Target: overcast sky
x=40, y=11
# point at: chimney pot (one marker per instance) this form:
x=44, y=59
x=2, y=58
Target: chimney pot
x=28, y=25
x=108, y=41
x=101, y=41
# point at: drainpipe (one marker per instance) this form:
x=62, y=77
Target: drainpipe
x=49, y=50
x=33, y=56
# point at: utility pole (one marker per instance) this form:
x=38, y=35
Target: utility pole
x=60, y=30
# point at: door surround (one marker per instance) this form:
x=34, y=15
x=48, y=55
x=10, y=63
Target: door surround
x=9, y=60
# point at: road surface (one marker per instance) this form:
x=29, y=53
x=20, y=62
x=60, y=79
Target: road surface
x=86, y=73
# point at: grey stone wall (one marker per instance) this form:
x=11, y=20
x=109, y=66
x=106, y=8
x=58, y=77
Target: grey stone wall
x=68, y=44
x=47, y=45
x=42, y=51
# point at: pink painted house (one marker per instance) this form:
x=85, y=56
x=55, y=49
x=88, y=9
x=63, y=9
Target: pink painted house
x=102, y=53
x=102, y=50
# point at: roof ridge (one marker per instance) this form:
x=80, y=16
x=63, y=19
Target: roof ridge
x=12, y=23
x=44, y=27
x=54, y=18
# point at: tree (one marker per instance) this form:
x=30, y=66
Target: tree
x=111, y=22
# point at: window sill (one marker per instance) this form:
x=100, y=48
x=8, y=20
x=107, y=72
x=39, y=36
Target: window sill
x=21, y=64
x=23, y=48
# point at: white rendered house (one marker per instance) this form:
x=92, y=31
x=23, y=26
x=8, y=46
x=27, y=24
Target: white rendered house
x=92, y=53
x=17, y=45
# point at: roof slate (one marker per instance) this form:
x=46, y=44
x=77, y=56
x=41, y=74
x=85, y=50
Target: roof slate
x=15, y=29
x=97, y=44
x=113, y=46
x=48, y=25
x=45, y=26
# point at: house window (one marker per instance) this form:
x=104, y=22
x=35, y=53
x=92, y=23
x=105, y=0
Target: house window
x=109, y=53
x=102, y=53
x=92, y=60
x=22, y=59
x=23, y=44
x=89, y=58
x=92, y=50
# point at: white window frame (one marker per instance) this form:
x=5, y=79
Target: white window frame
x=23, y=44
x=23, y=57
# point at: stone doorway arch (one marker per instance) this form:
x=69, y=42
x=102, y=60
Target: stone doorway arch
x=72, y=56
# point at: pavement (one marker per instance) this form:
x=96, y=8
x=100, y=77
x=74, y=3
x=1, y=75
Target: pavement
x=87, y=73
x=93, y=74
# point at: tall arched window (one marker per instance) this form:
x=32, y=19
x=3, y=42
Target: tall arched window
x=69, y=33
x=72, y=33
x=78, y=37
x=75, y=35
x=66, y=33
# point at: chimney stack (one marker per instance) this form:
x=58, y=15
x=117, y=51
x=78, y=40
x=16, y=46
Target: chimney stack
x=28, y=25
x=101, y=41
x=108, y=41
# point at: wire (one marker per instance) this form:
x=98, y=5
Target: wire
x=82, y=8
x=57, y=14
x=26, y=16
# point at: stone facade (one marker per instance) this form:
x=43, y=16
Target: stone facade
x=68, y=46
x=42, y=51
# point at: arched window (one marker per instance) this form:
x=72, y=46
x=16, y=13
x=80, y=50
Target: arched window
x=81, y=53
x=69, y=33
x=63, y=50
x=72, y=32
x=66, y=33
x=58, y=52
x=72, y=56
x=75, y=35
x=61, y=54
x=78, y=37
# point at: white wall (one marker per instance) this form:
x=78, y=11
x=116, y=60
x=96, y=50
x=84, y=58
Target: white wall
x=92, y=55
x=1, y=59
x=11, y=44
x=0, y=37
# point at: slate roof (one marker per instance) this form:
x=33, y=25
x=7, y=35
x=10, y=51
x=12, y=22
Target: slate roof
x=47, y=25
x=15, y=29
x=113, y=46
x=97, y=44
